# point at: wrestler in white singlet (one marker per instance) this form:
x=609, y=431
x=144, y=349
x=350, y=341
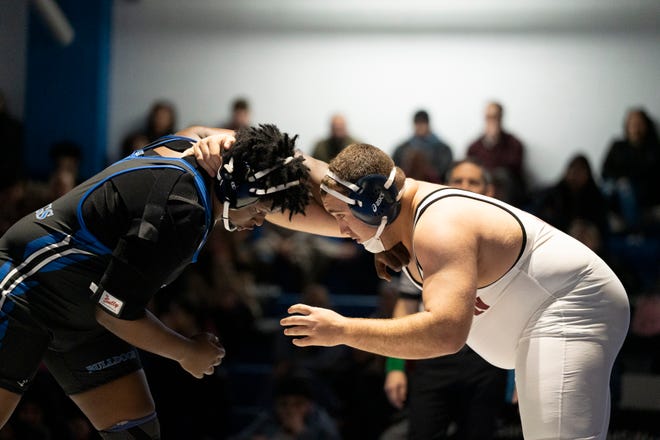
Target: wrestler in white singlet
x=560, y=328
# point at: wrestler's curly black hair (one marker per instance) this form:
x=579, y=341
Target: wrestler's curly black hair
x=260, y=147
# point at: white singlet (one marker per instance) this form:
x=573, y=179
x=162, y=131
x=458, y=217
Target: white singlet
x=559, y=317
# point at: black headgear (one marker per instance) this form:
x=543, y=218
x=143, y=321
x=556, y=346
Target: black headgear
x=371, y=198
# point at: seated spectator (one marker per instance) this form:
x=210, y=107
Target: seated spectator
x=576, y=196
x=11, y=133
x=327, y=148
x=134, y=141
x=161, y=120
x=502, y=154
x=630, y=171
x=424, y=155
x=66, y=156
x=240, y=115
x=295, y=414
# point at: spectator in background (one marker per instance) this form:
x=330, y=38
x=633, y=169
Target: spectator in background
x=240, y=115
x=295, y=413
x=630, y=171
x=11, y=133
x=424, y=156
x=502, y=154
x=161, y=120
x=328, y=148
x=574, y=202
x=134, y=141
x=66, y=157
x=331, y=364
x=459, y=391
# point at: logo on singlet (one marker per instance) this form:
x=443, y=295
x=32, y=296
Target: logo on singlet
x=44, y=212
x=21, y=383
x=480, y=306
x=111, y=303
x=111, y=361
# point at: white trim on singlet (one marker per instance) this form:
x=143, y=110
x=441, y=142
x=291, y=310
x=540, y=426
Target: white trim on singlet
x=19, y=270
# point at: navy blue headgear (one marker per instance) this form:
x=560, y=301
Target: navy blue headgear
x=238, y=186
x=232, y=186
x=372, y=198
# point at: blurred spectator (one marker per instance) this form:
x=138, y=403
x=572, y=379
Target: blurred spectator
x=134, y=141
x=206, y=408
x=326, y=149
x=576, y=197
x=295, y=413
x=66, y=156
x=11, y=133
x=221, y=291
x=468, y=174
x=287, y=258
x=424, y=156
x=630, y=171
x=331, y=364
x=502, y=154
x=240, y=115
x=61, y=182
x=161, y=120
x=30, y=423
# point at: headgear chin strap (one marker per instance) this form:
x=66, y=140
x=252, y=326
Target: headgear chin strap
x=374, y=199
x=237, y=192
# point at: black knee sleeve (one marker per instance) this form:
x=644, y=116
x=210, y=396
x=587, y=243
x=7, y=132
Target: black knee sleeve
x=146, y=428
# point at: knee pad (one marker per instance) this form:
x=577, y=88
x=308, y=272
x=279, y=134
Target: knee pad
x=145, y=428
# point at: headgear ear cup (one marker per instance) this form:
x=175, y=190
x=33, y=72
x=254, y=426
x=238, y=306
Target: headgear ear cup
x=375, y=200
x=232, y=186
x=371, y=198
x=237, y=186
x=225, y=187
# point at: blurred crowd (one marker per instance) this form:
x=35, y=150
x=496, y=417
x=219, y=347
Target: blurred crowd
x=244, y=281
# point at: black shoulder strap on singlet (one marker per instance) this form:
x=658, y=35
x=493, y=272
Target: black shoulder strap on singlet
x=148, y=226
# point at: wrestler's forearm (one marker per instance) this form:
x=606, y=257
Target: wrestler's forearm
x=198, y=132
x=315, y=221
x=147, y=333
x=416, y=336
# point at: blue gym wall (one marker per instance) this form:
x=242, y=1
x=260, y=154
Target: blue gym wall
x=66, y=93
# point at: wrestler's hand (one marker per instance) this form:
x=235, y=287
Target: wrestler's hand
x=202, y=355
x=313, y=326
x=208, y=151
x=394, y=258
x=396, y=388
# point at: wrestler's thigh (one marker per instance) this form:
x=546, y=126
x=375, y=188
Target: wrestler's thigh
x=125, y=398
x=563, y=388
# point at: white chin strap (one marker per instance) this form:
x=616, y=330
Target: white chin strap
x=225, y=218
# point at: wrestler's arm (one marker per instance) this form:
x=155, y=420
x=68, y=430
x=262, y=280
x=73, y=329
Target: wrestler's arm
x=197, y=355
x=449, y=294
x=198, y=132
x=316, y=219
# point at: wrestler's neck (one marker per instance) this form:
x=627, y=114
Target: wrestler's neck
x=401, y=229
